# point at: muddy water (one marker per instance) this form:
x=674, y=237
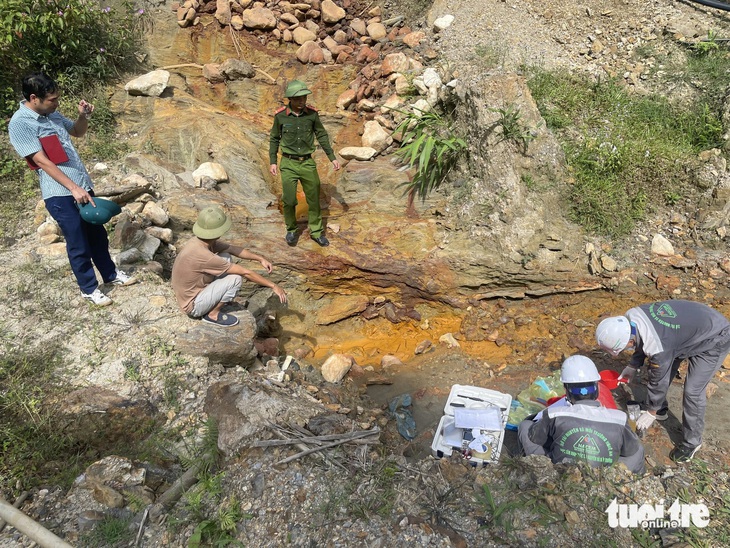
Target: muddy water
x=530, y=337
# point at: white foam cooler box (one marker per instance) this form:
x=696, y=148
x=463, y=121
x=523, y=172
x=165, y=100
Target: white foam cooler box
x=477, y=410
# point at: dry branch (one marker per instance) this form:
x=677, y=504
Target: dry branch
x=313, y=439
x=354, y=436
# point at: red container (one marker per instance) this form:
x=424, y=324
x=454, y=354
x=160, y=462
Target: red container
x=609, y=378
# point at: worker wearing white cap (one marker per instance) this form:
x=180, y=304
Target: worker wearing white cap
x=668, y=332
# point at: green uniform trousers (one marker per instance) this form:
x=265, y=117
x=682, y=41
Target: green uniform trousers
x=293, y=171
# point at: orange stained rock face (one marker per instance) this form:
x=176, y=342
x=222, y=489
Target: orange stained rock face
x=533, y=333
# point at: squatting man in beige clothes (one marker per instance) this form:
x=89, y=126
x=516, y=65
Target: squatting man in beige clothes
x=204, y=278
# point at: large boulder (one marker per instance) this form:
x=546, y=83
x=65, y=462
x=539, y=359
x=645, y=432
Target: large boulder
x=336, y=367
x=211, y=170
x=223, y=12
x=259, y=18
x=358, y=153
x=151, y=84
x=228, y=347
x=242, y=411
x=236, y=69
x=302, y=35
x=375, y=136
x=331, y=12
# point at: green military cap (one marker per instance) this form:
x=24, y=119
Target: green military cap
x=296, y=88
x=102, y=213
x=212, y=223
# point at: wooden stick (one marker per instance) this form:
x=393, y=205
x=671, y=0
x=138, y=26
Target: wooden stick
x=29, y=527
x=16, y=504
x=193, y=65
x=366, y=8
x=333, y=444
x=265, y=74
x=310, y=439
x=141, y=526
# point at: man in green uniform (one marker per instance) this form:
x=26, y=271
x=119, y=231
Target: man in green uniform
x=295, y=127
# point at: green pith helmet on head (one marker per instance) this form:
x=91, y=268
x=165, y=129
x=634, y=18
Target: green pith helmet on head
x=212, y=223
x=296, y=88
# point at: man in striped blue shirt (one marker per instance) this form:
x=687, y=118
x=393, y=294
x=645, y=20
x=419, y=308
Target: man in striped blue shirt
x=37, y=131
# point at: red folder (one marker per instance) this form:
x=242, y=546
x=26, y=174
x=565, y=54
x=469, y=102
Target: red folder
x=54, y=150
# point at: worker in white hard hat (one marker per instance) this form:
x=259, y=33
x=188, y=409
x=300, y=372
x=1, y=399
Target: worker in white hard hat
x=582, y=429
x=668, y=332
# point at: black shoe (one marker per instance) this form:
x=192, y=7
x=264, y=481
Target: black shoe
x=662, y=414
x=291, y=238
x=683, y=453
x=321, y=240
x=223, y=320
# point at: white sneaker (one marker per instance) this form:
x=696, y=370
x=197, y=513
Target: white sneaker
x=123, y=279
x=97, y=297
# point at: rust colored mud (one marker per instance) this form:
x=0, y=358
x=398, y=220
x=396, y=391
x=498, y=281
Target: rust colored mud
x=531, y=338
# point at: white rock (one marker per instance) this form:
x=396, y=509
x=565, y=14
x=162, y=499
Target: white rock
x=392, y=103
x=420, y=86
x=163, y=234
x=210, y=169
x=48, y=227
x=449, y=339
x=389, y=361
x=331, y=12
x=431, y=78
x=301, y=35
x=375, y=136
x=151, y=84
x=336, y=367
x=421, y=106
x=155, y=214
x=661, y=246
x=433, y=96
x=443, y=23
x=358, y=153
x=134, y=207
x=402, y=86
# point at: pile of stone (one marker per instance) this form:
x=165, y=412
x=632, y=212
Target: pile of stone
x=393, y=55
x=141, y=229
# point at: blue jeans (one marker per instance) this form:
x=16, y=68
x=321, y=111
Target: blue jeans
x=87, y=245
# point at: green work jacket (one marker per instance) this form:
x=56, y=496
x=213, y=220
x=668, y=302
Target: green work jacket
x=296, y=134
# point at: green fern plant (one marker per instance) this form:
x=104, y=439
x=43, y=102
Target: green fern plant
x=430, y=146
x=220, y=529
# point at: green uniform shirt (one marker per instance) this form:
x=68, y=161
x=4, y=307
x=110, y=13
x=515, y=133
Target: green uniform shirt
x=296, y=134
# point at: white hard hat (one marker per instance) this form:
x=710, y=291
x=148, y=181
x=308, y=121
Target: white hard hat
x=578, y=369
x=613, y=334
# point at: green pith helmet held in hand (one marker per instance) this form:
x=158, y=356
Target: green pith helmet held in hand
x=212, y=223
x=99, y=214
x=296, y=88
